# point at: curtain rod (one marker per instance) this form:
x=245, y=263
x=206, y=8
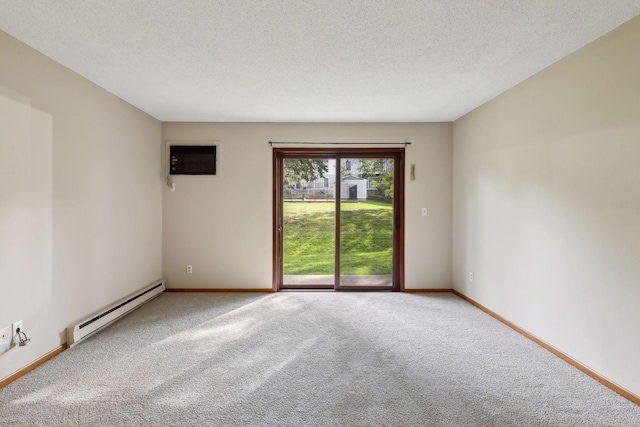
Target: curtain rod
x=340, y=143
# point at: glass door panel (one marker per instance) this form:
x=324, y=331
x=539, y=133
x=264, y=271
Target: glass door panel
x=308, y=222
x=366, y=237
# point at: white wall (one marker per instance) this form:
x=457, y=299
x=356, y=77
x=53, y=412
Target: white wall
x=222, y=225
x=80, y=200
x=547, y=205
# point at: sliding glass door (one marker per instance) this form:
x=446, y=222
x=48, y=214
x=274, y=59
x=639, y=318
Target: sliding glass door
x=308, y=222
x=366, y=222
x=338, y=219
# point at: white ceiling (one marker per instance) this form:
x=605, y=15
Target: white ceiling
x=309, y=60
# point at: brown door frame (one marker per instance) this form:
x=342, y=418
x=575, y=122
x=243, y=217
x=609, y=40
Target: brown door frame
x=397, y=154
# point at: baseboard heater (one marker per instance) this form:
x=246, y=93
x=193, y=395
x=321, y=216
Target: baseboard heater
x=100, y=320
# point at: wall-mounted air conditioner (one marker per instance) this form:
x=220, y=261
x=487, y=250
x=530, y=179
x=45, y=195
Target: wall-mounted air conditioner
x=192, y=160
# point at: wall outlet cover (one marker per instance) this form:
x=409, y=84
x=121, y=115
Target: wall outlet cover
x=14, y=331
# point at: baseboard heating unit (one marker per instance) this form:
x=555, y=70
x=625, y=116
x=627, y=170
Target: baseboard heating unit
x=100, y=320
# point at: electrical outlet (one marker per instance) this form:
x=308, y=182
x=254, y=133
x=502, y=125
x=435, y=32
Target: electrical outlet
x=14, y=331
x=189, y=269
x=3, y=336
x=471, y=276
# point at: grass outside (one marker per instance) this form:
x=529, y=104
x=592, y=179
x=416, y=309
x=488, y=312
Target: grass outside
x=366, y=237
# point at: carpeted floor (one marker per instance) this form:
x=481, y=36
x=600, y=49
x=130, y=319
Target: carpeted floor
x=306, y=359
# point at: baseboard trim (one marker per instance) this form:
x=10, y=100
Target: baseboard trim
x=427, y=291
x=218, y=290
x=604, y=381
x=31, y=366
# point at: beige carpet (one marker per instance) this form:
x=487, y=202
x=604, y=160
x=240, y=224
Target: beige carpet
x=306, y=359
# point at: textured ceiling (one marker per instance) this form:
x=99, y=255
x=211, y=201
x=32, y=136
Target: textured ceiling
x=295, y=60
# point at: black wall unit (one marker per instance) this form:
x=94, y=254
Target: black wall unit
x=192, y=160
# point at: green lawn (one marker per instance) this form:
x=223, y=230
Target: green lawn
x=366, y=246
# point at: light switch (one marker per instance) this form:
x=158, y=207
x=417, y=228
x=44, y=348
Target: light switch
x=424, y=211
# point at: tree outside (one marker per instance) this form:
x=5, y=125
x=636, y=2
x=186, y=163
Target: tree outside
x=380, y=174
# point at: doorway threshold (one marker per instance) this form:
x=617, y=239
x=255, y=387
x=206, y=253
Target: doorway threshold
x=364, y=280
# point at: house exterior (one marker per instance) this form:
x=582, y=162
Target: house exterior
x=353, y=189
x=353, y=186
